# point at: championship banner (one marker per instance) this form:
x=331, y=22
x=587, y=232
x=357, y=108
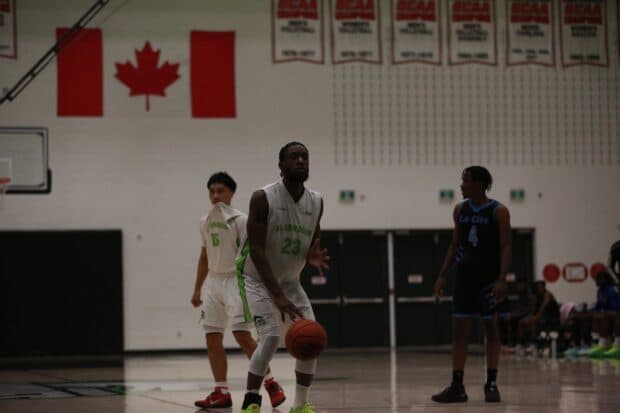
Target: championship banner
x=8, y=29
x=297, y=30
x=356, y=31
x=530, y=31
x=583, y=32
x=472, y=32
x=416, y=31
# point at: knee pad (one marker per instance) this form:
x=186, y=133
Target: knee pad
x=263, y=354
x=305, y=367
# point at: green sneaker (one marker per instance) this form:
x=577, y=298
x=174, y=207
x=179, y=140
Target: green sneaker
x=598, y=351
x=585, y=351
x=306, y=408
x=253, y=408
x=612, y=353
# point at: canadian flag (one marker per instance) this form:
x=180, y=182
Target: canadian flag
x=212, y=74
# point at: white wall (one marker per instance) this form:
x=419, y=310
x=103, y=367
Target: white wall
x=549, y=131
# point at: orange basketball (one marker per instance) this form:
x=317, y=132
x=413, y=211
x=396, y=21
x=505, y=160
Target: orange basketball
x=306, y=339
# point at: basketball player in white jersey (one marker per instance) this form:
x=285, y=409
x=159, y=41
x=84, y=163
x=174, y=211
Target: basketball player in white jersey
x=223, y=230
x=283, y=234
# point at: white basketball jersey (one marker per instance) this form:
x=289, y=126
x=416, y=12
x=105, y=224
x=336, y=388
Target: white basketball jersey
x=223, y=232
x=290, y=228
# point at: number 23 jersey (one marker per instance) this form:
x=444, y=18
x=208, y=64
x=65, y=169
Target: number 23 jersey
x=290, y=228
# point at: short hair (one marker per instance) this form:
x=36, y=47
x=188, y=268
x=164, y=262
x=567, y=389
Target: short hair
x=224, y=179
x=480, y=174
x=283, y=150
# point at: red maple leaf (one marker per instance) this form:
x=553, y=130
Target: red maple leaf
x=147, y=79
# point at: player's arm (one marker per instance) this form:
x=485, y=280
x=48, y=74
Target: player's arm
x=317, y=256
x=201, y=275
x=502, y=215
x=449, y=260
x=257, y=237
x=505, y=240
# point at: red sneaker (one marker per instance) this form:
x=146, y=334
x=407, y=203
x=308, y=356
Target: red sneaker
x=276, y=393
x=215, y=400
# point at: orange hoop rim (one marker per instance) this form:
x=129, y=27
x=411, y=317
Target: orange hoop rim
x=5, y=180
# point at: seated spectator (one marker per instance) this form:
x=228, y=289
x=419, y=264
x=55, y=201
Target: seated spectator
x=604, y=319
x=614, y=258
x=519, y=309
x=545, y=316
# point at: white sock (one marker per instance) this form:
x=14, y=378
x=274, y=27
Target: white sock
x=603, y=342
x=617, y=341
x=268, y=376
x=223, y=386
x=255, y=391
x=301, y=395
x=595, y=336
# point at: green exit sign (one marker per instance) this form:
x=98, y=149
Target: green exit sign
x=517, y=195
x=347, y=195
x=446, y=196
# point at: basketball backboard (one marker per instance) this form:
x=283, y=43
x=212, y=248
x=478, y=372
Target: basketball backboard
x=24, y=159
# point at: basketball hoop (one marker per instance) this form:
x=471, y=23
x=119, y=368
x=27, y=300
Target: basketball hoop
x=5, y=181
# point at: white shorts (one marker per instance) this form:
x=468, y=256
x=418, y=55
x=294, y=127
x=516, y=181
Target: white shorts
x=266, y=316
x=223, y=305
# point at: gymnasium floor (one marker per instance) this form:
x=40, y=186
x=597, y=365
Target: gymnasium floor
x=346, y=382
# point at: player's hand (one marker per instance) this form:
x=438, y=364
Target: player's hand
x=317, y=256
x=440, y=282
x=287, y=307
x=196, y=301
x=499, y=290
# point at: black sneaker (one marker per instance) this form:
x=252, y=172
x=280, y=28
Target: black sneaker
x=451, y=394
x=491, y=393
x=251, y=402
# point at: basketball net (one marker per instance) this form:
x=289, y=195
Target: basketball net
x=4, y=185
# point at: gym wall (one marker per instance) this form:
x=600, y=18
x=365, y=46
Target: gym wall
x=394, y=135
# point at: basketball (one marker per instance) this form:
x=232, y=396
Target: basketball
x=306, y=339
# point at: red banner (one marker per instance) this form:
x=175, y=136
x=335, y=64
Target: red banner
x=212, y=74
x=80, y=74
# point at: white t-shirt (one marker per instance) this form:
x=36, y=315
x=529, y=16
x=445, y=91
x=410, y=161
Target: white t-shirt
x=290, y=228
x=223, y=232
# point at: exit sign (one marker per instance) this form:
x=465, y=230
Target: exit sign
x=446, y=196
x=517, y=195
x=347, y=195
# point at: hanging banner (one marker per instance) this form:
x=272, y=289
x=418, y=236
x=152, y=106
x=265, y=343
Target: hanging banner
x=416, y=31
x=529, y=25
x=472, y=34
x=8, y=29
x=355, y=31
x=297, y=30
x=583, y=32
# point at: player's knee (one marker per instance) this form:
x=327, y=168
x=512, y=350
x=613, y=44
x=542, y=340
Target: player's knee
x=264, y=353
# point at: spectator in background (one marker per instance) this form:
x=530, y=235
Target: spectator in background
x=519, y=309
x=604, y=319
x=614, y=258
x=545, y=316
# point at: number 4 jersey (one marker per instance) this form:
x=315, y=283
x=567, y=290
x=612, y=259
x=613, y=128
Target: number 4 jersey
x=290, y=228
x=223, y=232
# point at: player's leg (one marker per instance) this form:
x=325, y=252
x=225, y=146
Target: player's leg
x=465, y=308
x=604, y=327
x=493, y=349
x=614, y=352
x=214, y=321
x=304, y=370
x=242, y=333
x=268, y=324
